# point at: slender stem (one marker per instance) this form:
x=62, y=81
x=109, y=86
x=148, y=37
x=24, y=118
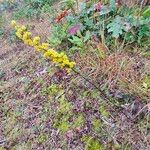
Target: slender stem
x=86, y=79
x=102, y=94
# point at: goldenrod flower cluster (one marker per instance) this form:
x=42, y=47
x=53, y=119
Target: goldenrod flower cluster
x=59, y=58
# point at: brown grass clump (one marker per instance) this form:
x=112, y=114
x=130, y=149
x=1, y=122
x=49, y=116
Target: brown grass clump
x=118, y=67
x=114, y=71
x=131, y=3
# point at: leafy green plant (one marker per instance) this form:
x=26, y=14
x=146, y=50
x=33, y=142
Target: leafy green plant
x=79, y=42
x=58, y=35
x=25, y=12
x=33, y=8
x=116, y=27
x=113, y=4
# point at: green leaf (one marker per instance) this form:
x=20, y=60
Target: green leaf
x=146, y=13
x=105, y=10
x=76, y=40
x=87, y=36
x=89, y=22
x=112, y=5
x=116, y=27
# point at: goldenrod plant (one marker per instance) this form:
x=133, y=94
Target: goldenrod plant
x=61, y=59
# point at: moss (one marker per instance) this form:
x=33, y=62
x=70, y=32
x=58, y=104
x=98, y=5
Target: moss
x=146, y=82
x=42, y=138
x=103, y=111
x=91, y=143
x=64, y=127
x=22, y=146
x=65, y=106
x=52, y=89
x=79, y=121
x=62, y=115
x=96, y=125
x=95, y=94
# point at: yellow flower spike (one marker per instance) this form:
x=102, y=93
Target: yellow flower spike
x=20, y=31
x=19, y=35
x=65, y=57
x=13, y=23
x=17, y=27
x=30, y=42
x=29, y=34
x=61, y=59
x=26, y=35
x=36, y=40
x=54, y=60
x=37, y=47
x=26, y=42
x=45, y=46
x=47, y=54
x=52, y=51
x=54, y=54
x=23, y=28
x=66, y=61
x=62, y=65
